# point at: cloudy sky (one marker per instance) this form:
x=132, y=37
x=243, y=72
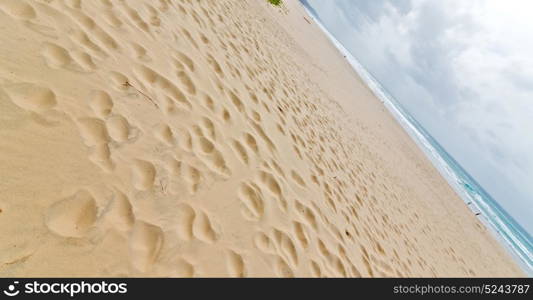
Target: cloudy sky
x=464, y=70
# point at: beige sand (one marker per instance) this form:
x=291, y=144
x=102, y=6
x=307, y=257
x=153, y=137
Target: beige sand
x=209, y=138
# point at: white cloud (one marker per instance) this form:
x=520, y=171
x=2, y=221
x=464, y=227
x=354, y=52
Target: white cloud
x=464, y=69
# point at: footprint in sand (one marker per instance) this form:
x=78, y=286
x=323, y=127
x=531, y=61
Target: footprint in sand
x=55, y=55
x=81, y=39
x=83, y=59
x=75, y=4
x=119, y=212
x=186, y=82
x=300, y=232
x=282, y=269
x=101, y=103
x=214, y=160
x=215, y=65
x=93, y=131
x=251, y=143
x=192, y=177
x=136, y=19
x=139, y=52
x=284, y=246
x=32, y=97
x=264, y=136
x=237, y=102
x=240, y=151
x=143, y=174
x=72, y=216
x=18, y=9
x=94, y=31
x=208, y=128
x=111, y=18
x=306, y=214
x=264, y=244
x=297, y=178
x=184, y=140
x=119, y=81
x=185, y=217
x=164, y=134
x=208, y=103
x=194, y=224
x=183, y=268
x=101, y=156
x=183, y=58
x=271, y=184
x=316, y=270
x=118, y=128
x=203, y=229
x=235, y=264
x=252, y=202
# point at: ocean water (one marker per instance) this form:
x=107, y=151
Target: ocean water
x=513, y=236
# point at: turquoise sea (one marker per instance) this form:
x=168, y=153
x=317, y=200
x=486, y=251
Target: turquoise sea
x=513, y=236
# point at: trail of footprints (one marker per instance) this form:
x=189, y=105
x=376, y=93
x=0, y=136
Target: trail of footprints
x=236, y=118
x=76, y=215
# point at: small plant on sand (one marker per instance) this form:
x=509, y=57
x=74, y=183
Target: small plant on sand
x=275, y=2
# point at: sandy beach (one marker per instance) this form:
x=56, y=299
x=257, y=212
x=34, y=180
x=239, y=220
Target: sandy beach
x=210, y=138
